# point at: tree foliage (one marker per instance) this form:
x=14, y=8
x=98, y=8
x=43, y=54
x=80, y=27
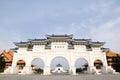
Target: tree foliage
x=116, y=63
x=38, y=71
x=2, y=63
x=79, y=70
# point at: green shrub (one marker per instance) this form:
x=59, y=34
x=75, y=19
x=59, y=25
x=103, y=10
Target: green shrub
x=117, y=69
x=1, y=70
x=38, y=71
x=79, y=70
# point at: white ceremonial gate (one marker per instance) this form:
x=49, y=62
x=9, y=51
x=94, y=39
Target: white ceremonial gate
x=58, y=46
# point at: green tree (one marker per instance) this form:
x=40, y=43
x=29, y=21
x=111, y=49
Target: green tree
x=2, y=63
x=116, y=63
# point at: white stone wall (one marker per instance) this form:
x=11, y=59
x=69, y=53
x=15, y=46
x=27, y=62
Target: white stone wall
x=59, y=46
x=79, y=48
x=58, y=49
x=38, y=48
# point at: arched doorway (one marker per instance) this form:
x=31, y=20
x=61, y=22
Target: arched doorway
x=37, y=65
x=81, y=65
x=98, y=64
x=59, y=65
x=20, y=65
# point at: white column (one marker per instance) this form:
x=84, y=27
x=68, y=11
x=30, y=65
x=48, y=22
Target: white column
x=91, y=66
x=105, y=65
x=90, y=69
x=105, y=60
x=27, y=70
x=70, y=63
x=14, y=70
x=46, y=70
x=47, y=65
x=73, y=70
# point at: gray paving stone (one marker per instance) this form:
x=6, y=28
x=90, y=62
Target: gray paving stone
x=61, y=77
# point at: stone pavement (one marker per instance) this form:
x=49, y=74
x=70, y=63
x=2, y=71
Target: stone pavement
x=61, y=77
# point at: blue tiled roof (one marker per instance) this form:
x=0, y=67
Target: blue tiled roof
x=38, y=39
x=14, y=49
x=59, y=35
x=97, y=42
x=105, y=48
x=81, y=39
x=21, y=42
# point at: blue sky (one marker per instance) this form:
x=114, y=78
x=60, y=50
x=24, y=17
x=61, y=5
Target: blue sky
x=21, y=20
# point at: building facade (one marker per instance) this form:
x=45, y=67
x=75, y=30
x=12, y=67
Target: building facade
x=113, y=60
x=8, y=56
x=58, y=46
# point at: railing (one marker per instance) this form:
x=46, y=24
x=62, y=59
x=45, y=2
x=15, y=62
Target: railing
x=89, y=49
x=70, y=47
x=47, y=47
x=29, y=49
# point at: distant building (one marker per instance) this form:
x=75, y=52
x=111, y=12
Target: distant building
x=8, y=55
x=113, y=60
x=59, y=69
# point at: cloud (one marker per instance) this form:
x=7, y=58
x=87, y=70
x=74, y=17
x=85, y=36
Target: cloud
x=7, y=39
x=108, y=32
x=5, y=45
x=96, y=19
x=71, y=28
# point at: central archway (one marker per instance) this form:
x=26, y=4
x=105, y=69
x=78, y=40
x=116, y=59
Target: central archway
x=59, y=65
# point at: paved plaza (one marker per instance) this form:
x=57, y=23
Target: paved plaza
x=61, y=77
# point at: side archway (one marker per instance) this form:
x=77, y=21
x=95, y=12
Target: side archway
x=81, y=65
x=37, y=65
x=98, y=64
x=20, y=65
x=59, y=65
